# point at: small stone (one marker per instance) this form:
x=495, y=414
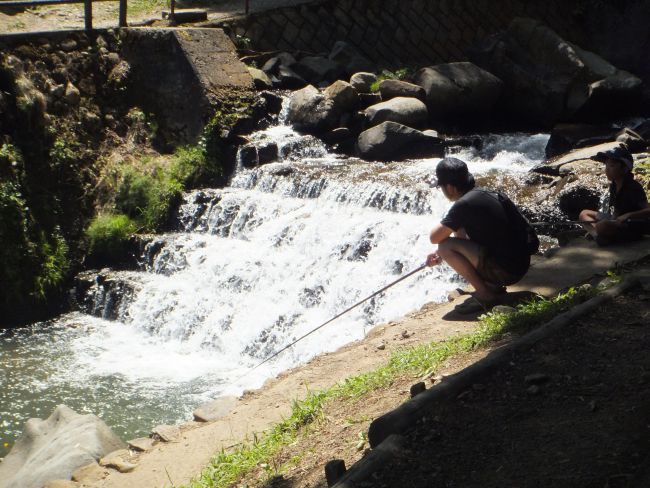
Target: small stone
x=141, y=444
x=167, y=433
x=504, y=309
x=72, y=94
x=91, y=473
x=536, y=378
x=381, y=346
x=68, y=45
x=405, y=334
x=113, y=58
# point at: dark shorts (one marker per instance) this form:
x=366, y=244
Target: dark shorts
x=629, y=231
x=492, y=272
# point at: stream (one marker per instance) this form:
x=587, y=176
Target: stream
x=285, y=247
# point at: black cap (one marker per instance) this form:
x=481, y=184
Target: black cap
x=619, y=153
x=453, y=171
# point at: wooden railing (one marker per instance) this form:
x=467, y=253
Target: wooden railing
x=88, y=8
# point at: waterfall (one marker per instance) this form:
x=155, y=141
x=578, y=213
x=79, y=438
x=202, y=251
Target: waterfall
x=285, y=247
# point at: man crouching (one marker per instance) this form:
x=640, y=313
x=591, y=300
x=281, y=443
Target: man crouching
x=488, y=248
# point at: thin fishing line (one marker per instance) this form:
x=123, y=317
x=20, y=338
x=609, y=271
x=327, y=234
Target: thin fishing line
x=332, y=319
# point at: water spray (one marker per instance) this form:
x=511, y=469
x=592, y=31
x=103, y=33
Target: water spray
x=277, y=353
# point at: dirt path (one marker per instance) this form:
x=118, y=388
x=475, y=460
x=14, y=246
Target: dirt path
x=106, y=14
x=181, y=460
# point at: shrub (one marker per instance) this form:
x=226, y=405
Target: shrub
x=108, y=235
x=147, y=197
x=191, y=168
x=400, y=74
x=34, y=261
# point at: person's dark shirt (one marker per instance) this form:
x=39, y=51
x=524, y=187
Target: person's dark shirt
x=630, y=198
x=485, y=221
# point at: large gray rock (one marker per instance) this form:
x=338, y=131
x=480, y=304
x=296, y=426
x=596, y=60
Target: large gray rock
x=408, y=111
x=349, y=58
x=316, y=68
x=397, y=88
x=553, y=166
x=54, y=448
x=549, y=79
x=458, y=89
x=391, y=141
x=312, y=112
x=344, y=96
x=362, y=82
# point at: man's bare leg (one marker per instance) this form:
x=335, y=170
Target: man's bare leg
x=463, y=256
x=590, y=218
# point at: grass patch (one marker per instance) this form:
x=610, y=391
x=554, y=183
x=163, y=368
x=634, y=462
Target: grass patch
x=403, y=74
x=227, y=467
x=142, y=7
x=107, y=235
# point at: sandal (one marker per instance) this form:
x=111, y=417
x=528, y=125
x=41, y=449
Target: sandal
x=474, y=305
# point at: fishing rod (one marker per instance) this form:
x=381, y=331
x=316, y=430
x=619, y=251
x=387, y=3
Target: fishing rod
x=561, y=223
x=334, y=318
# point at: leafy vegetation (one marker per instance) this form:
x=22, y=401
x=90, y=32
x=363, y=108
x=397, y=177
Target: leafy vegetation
x=34, y=261
x=423, y=360
x=107, y=235
x=400, y=74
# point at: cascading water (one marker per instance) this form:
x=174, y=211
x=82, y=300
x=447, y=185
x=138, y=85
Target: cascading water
x=284, y=248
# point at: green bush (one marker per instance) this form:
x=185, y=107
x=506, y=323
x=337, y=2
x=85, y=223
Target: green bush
x=108, y=235
x=146, y=198
x=191, y=168
x=400, y=74
x=35, y=261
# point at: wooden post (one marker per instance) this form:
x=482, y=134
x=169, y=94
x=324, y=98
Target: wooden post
x=88, y=14
x=122, y=22
x=172, y=8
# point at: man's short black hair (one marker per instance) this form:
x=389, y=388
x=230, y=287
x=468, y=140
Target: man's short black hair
x=453, y=171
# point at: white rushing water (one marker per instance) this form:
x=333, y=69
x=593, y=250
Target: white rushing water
x=286, y=247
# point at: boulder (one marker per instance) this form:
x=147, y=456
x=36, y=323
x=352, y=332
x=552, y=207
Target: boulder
x=362, y=82
x=573, y=199
x=274, y=63
x=407, y=111
x=553, y=166
x=568, y=136
x=396, y=88
x=548, y=79
x=289, y=79
x=368, y=99
x=260, y=78
x=267, y=152
x=455, y=90
x=392, y=141
x=54, y=448
x=311, y=112
x=344, y=96
x=350, y=59
x=634, y=142
x=316, y=68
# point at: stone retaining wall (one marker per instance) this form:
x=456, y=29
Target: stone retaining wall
x=398, y=33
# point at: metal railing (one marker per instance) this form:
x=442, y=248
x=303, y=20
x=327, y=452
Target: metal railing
x=88, y=8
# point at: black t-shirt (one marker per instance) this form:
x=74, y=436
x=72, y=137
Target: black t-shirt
x=485, y=221
x=631, y=198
